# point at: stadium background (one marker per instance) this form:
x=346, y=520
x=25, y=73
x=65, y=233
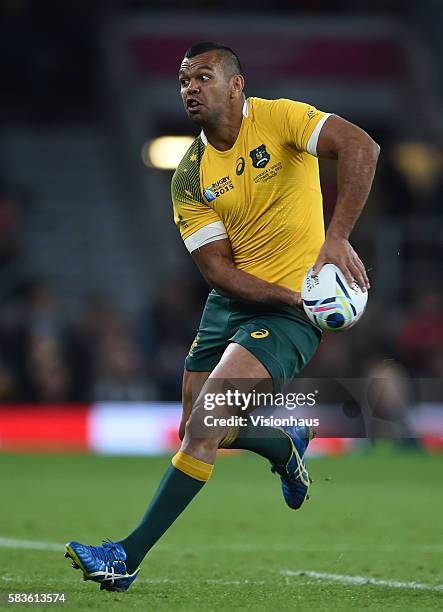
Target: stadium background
x=99, y=300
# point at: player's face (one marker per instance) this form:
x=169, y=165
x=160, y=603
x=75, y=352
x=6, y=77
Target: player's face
x=204, y=88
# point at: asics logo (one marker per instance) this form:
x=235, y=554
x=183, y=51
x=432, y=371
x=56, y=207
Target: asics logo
x=260, y=333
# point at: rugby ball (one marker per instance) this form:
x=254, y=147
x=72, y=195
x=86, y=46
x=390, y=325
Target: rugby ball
x=330, y=302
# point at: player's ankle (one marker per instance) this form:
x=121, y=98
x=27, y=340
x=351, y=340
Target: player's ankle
x=130, y=569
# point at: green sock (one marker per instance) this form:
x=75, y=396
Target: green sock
x=175, y=491
x=269, y=442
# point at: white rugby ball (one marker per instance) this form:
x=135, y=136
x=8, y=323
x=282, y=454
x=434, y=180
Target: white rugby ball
x=330, y=302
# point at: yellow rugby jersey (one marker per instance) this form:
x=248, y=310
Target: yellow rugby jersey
x=263, y=193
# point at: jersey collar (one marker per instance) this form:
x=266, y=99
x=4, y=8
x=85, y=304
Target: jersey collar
x=245, y=114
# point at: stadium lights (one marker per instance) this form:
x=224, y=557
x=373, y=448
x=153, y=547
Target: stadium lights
x=166, y=152
x=420, y=163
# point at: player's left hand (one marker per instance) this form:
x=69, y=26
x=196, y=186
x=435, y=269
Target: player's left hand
x=338, y=251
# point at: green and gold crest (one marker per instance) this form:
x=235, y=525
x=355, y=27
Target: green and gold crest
x=259, y=156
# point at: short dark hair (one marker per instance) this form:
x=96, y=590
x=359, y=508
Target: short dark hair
x=230, y=57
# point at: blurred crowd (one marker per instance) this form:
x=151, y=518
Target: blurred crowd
x=48, y=353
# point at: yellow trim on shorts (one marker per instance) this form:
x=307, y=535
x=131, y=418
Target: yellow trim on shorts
x=199, y=470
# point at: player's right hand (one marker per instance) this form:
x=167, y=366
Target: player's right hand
x=338, y=251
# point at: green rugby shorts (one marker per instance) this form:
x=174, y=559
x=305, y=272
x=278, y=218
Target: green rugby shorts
x=281, y=337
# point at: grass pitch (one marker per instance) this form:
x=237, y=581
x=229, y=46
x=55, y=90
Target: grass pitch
x=377, y=515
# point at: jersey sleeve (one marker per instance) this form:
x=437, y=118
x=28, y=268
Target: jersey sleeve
x=298, y=124
x=197, y=222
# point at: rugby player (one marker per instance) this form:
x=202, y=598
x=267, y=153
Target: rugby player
x=248, y=204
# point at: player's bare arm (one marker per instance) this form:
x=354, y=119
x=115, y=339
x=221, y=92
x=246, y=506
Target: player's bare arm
x=356, y=154
x=217, y=266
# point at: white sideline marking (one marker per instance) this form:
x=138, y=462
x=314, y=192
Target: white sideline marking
x=30, y=544
x=238, y=547
x=362, y=580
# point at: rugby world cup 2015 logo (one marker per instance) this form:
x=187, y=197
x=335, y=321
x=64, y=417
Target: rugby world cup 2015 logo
x=209, y=194
x=218, y=188
x=259, y=156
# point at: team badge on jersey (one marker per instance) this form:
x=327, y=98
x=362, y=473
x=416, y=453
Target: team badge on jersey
x=259, y=156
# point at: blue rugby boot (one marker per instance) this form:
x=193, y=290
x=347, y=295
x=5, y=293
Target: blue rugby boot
x=294, y=476
x=105, y=564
